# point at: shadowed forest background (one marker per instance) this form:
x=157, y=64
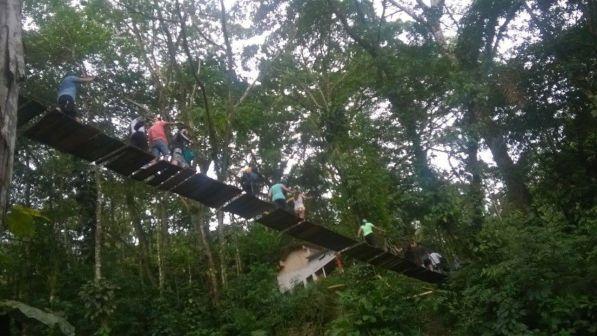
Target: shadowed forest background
x=467, y=126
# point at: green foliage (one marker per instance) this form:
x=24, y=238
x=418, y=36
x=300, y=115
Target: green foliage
x=21, y=221
x=529, y=278
x=46, y=318
x=357, y=103
x=98, y=298
x=374, y=304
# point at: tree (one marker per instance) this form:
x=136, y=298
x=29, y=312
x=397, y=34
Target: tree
x=12, y=67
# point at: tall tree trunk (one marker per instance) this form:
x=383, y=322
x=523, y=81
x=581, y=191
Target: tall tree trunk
x=28, y=179
x=141, y=235
x=473, y=167
x=98, y=228
x=12, y=70
x=517, y=192
x=211, y=266
x=423, y=171
x=237, y=258
x=160, y=247
x=222, y=249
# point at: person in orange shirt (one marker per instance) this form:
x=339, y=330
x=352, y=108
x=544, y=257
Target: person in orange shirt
x=158, y=141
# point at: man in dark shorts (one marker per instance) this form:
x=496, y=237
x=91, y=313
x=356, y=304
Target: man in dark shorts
x=366, y=230
x=67, y=93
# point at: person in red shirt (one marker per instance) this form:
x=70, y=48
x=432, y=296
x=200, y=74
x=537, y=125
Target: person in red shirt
x=158, y=141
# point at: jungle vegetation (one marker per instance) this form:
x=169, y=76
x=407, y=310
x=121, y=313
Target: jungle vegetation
x=468, y=126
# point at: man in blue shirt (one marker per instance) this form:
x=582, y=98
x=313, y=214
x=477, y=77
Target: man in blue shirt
x=67, y=93
x=276, y=192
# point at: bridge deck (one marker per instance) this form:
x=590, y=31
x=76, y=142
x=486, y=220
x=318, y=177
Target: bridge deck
x=87, y=142
x=248, y=206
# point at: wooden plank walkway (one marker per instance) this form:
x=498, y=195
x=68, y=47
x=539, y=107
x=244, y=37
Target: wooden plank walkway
x=89, y=143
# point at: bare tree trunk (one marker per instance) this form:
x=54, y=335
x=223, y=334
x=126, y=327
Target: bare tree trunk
x=160, y=247
x=239, y=264
x=516, y=190
x=222, y=249
x=473, y=167
x=28, y=178
x=237, y=259
x=98, y=228
x=211, y=266
x=141, y=235
x=423, y=171
x=12, y=70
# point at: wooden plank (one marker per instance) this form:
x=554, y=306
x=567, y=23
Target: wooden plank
x=186, y=187
x=129, y=160
x=248, y=206
x=169, y=171
x=425, y=275
x=396, y=263
x=206, y=190
x=213, y=193
x=151, y=170
x=278, y=220
x=363, y=252
x=28, y=109
x=67, y=135
x=98, y=147
x=321, y=236
x=53, y=127
x=177, y=179
x=392, y=262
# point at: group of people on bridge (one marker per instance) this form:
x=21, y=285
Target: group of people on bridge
x=155, y=140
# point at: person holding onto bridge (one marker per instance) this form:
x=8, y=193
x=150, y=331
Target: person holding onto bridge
x=366, y=230
x=299, y=204
x=158, y=141
x=180, y=144
x=67, y=93
x=276, y=192
x=138, y=137
x=249, y=180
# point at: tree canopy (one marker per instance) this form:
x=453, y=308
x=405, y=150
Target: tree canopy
x=466, y=126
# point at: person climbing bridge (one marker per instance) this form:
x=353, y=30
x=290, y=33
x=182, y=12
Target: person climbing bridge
x=437, y=262
x=276, y=192
x=158, y=141
x=180, y=144
x=366, y=230
x=138, y=136
x=67, y=93
x=299, y=204
x=249, y=180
